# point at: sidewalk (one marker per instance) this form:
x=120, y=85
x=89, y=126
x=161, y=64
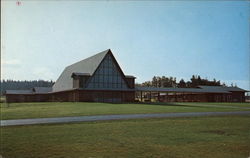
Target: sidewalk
x=114, y=117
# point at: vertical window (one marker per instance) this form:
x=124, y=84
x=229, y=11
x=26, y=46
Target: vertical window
x=107, y=76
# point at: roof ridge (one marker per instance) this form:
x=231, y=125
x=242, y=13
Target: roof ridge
x=105, y=51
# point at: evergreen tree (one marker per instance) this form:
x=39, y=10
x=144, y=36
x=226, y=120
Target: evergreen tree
x=23, y=85
x=182, y=84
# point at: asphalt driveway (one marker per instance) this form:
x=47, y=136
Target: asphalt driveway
x=114, y=117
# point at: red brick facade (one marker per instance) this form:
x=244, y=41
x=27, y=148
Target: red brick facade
x=75, y=96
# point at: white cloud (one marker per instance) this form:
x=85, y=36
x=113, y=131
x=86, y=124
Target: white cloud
x=17, y=73
x=11, y=72
x=10, y=68
x=11, y=62
x=43, y=73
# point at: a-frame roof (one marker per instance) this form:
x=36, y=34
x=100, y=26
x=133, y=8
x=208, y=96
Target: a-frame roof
x=86, y=66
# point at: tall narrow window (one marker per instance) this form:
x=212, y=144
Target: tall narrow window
x=107, y=76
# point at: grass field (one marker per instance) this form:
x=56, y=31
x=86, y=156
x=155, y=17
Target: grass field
x=206, y=137
x=56, y=109
x=2, y=99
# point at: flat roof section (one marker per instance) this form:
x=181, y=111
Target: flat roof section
x=181, y=90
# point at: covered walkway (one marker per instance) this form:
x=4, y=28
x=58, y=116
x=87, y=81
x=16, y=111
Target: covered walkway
x=199, y=94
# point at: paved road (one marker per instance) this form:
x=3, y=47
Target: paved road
x=114, y=117
x=224, y=106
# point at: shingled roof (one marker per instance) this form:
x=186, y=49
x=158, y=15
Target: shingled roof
x=86, y=66
x=230, y=89
x=200, y=89
x=18, y=92
x=181, y=90
x=42, y=90
x=35, y=90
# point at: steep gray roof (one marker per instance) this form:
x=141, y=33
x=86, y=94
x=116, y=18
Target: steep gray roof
x=89, y=65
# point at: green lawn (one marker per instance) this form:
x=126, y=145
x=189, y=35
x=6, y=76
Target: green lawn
x=56, y=109
x=2, y=99
x=198, y=137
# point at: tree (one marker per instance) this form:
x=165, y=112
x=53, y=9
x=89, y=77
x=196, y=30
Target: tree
x=195, y=81
x=23, y=85
x=182, y=84
x=159, y=81
x=146, y=84
x=154, y=81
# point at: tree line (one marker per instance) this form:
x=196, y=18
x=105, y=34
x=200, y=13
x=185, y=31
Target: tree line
x=195, y=81
x=156, y=81
x=23, y=85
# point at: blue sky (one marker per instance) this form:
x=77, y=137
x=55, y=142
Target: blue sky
x=171, y=38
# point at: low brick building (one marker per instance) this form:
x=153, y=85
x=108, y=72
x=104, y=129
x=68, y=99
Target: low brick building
x=99, y=78
x=36, y=94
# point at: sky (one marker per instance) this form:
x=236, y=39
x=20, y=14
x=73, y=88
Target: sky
x=163, y=38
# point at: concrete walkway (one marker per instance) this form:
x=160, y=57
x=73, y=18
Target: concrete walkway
x=114, y=117
x=224, y=106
